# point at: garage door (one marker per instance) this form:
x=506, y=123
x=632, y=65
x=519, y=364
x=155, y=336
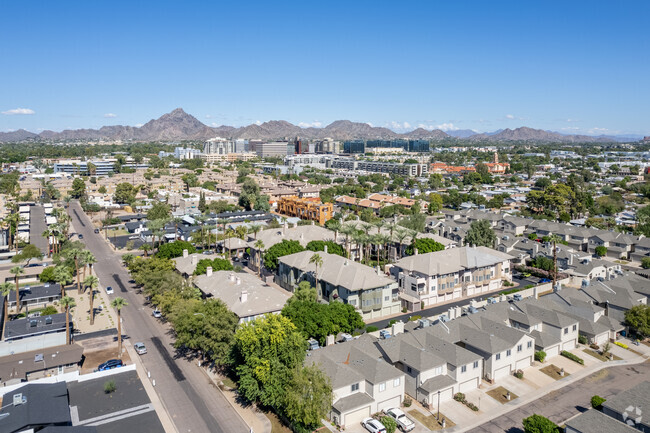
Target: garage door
x=523, y=363
x=502, y=372
x=387, y=404
x=446, y=394
x=469, y=385
x=356, y=416
x=602, y=338
x=569, y=345
x=552, y=351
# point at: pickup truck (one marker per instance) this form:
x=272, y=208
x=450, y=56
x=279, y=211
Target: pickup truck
x=403, y=422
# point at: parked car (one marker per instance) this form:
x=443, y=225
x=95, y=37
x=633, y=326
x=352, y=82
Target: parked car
x=110, y=364
x=157, y=314
x=373, y=426
x=81, y=236
x=109, y=290
x=384, y=334
x=403, y=422
x=96, y=230
x=545, y=280
x=140, y=348
x=526, y=274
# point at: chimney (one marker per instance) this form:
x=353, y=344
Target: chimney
x=397, y=328
x=208, y=271
x=231, y=277
x=185, y=253
x=570, y=259
x=244, y=295
x=415, y=251
x=325, y=250
x=238, y=281
x=194, y=257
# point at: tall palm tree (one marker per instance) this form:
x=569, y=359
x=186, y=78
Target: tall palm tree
x=401, y=234
x=259, y=245
x=348, y=230
x=75, y=254
x=86, y=260
x=554, y=239
x=47, y=235
x=317, y=260
x=17, y=271
x=177, y=221
x=379, y=224
x=67, y=303
x=382, y=240
x=145, y=248
x=119, y=303
x=91, y=282
x=359, y=238
x=255, y=229
x=63, y=276
x=335, y=226
x=5, y=290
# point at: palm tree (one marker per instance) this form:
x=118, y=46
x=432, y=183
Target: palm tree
x=379, y=224
x=259, y=245
x=348, y=230
x=86, y=260
x=145, y=248
x=67, y=303
x=255, y=229
x=554, y=239
x=176, y=221
x=75, y=254
x=335, y=226
x=5, y=290
x=383, y=240
x=17, y=271
x=359, y=238
x=317, y=260
x=119, y=303
x=63, y=276
x=401, y=234
x=47, y=235
x=91, y=282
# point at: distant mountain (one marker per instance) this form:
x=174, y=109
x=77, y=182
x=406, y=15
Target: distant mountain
x=537, y=135
x=178, y=125
x=462, y=133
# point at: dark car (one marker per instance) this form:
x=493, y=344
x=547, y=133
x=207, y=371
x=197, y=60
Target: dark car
x=96, y=230
x=110, y=364
x=81, y=236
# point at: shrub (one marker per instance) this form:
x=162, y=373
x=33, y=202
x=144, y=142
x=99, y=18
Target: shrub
x=472, y=406
x=539, y=424
x=109, y=386
x=174, y=249
x=47, y=275
x=619, y=344
x=572, y=357
x=597, y=401
x=371, y=328
x=645, y=263
x=519, y=374
x=48, y=311
x=414, y=318
x=391, y=323
x=389, y=423
x=407, y=401
x=540, y=356
x=459, y=396
x=594, y=346
x=601, y=251
x=582, y=339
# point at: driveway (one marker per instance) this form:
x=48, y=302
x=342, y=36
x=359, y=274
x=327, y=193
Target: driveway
x=36, y=228
x=192, y=404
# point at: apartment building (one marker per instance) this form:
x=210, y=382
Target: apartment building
x=379, y=167
x=453, y=273
x=369, y=291
x=310, y=209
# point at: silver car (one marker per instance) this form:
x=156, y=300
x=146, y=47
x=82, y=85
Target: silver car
x=140, y=348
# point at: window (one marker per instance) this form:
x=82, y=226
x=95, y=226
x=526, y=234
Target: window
x=463, y=369
x=575, y=327
x=508, y=352
x=566, y=331
x=408, y=369
x=529, y=345
x=437, y=371
x=382, y=387
x=355, y=387
x=396, y=382
x=475, y=364
x=352, y=302
x=498, y=356
x=520, y=348
x=386, y=298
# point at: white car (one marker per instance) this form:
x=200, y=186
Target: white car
x=157, y=314
x=109, y=290
x=403, y=422
x=140, y=348
x=373, y=426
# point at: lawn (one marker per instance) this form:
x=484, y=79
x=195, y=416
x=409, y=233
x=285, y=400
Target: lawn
x=276, y=424
x=229, y=383
x=499, y=394
x=597, y=355
x=430, y=421
x=553, y=371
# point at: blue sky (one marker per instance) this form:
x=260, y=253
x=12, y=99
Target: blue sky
x=569, y=66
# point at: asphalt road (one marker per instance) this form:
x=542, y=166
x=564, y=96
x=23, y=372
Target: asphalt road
x=572, y=399
x=190, y=400
x=36, y=228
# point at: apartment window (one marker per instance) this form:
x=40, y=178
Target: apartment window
x=529, y=345
x=463, y=369
x=520, y=348
x=566, y=331
x=508, y=352
x=355, y=387
x=352, y=302
x=575, y=327
x=437, y=371
x=475, y=364
x=386, y=298
x=382, y=387
x=498, y=356
x=408, y=369
x=396, y=382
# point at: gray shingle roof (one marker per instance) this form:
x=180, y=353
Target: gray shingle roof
x=453, y=260
x=351, y=402
x=45, y=404
x=596, y=421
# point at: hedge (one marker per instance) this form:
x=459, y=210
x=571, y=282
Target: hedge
x=597, y=401
x=540, y=356
x=619, y=344
x=572, y=357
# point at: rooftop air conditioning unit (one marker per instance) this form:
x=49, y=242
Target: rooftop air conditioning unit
x=33, y=323
x=424, y=323
x=48, y=320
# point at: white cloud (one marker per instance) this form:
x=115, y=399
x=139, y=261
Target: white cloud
x=572, y=120
x=447, y=127
x=110, y=115
x=370, y=124
x=570, y=128
x=399, y=125
x=19, y=111
x=258, y=122
x=137, y=125
x=314, y=124
x=207, y=116
x=214, y=124
x=510, y=116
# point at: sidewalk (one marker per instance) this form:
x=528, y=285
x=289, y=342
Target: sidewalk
x=497, y=411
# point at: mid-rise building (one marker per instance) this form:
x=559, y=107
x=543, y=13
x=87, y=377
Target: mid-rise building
x=310, y=209
x=218, y=146
x=379, y=167
x=275, y=148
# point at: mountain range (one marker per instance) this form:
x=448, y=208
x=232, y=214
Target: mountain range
x=178, y=125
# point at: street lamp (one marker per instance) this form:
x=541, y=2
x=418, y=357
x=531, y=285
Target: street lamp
x=438, y=405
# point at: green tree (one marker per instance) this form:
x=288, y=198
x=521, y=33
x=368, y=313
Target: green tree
x=278, y=250
x=119, y=303
x=28, y=253
x=645, y=263
x=259, y=246
x=174, y=249
x=601, y=251
x=316, y=320
x=638, y=318
x=308, y=396
x=480, y=233
x=78, y=188
x=74, y=254
x=424, y=245
x=91, y=282
x=5, y=290
x=217, y=265
x=159, y=211
x=264, y=354
x=124, y=193
x=63, y=276
x=17, y=271
x=597, y=402
x=190, y=180
x=250, y=192
x=555, y=239
x=332, y=247
x=67, y=303
x=102, y=189
x=317, y=260
x=389, y=423
x=539, y=424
